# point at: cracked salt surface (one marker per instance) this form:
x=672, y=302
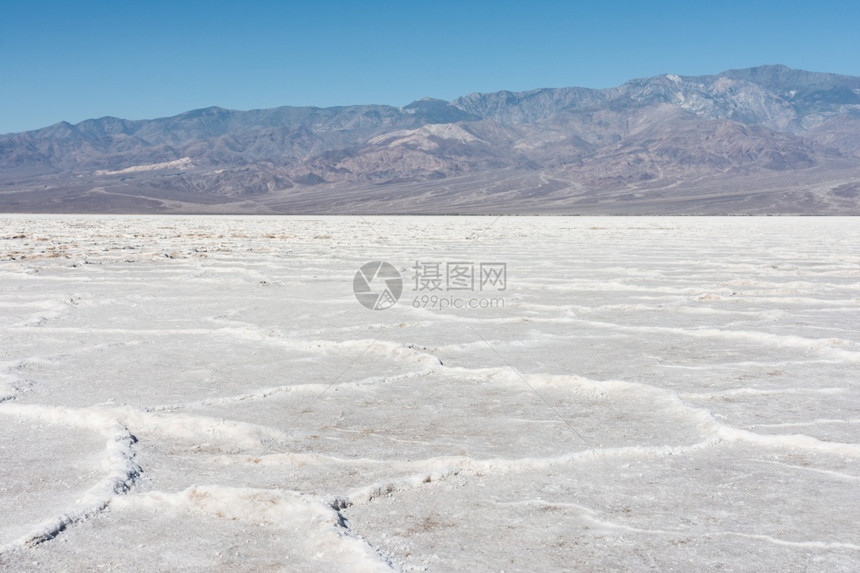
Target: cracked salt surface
x=206, y=393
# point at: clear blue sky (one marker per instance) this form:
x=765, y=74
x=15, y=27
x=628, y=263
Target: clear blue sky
x=73, y=60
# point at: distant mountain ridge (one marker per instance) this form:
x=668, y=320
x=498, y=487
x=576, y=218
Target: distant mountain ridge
x=768, y=139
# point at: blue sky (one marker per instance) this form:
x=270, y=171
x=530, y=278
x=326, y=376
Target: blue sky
x=75, y=60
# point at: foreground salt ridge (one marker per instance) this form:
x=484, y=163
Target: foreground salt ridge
x=323, y=527
x=119, y=465
x=241, y=445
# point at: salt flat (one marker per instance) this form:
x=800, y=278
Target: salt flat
x=207, y=393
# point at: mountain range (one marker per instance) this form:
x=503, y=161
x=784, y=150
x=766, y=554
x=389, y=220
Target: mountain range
x=764, y=140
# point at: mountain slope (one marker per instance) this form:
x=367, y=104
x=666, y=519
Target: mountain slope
x=761, y=140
